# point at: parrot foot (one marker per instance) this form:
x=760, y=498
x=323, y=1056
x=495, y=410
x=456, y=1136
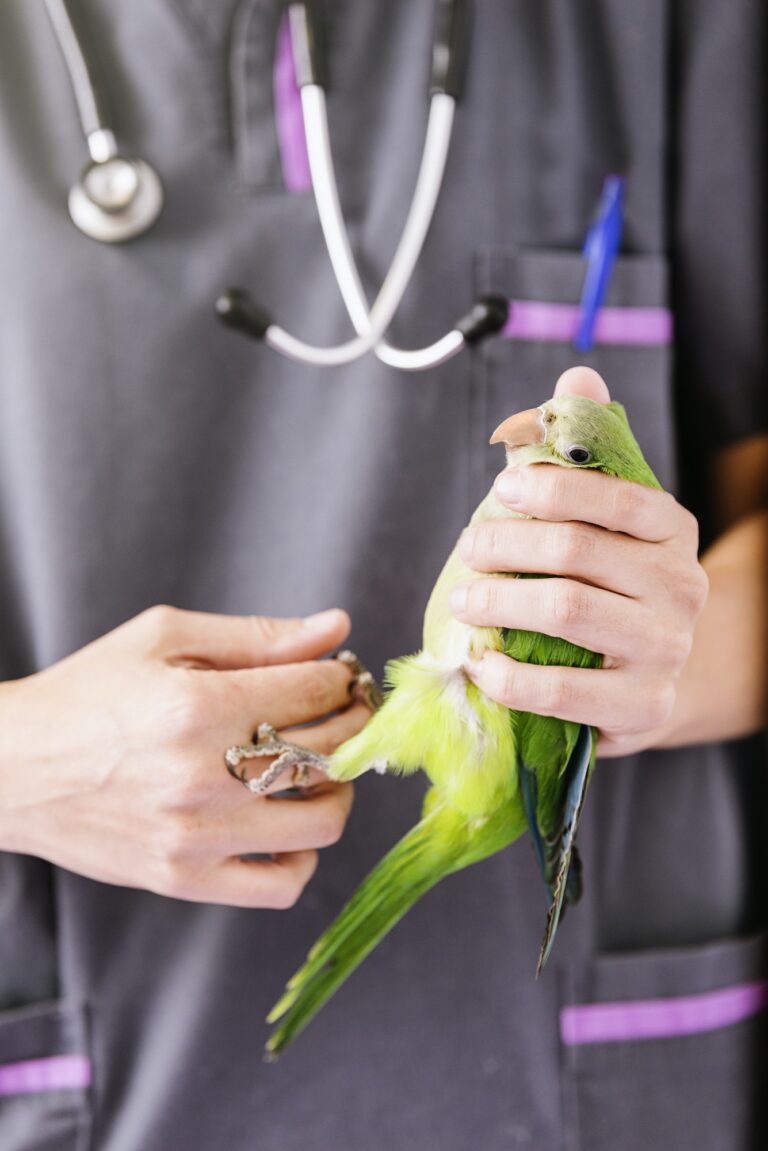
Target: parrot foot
x=268, y=743
x=363, y=685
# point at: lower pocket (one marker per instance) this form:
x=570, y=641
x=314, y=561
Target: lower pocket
x=667, y=1050
x=45, y=1074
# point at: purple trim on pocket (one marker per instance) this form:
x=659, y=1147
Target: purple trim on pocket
x=56, y=1073
x=661, y=1018
x=558, y=323
x=289, y=121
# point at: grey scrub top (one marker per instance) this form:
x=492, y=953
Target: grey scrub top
x=148, y=455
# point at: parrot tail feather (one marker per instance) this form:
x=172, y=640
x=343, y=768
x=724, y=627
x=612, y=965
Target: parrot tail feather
x=444, y=841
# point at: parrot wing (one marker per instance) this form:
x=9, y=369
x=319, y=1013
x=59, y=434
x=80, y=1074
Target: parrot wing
x=554, y=845
x=555, y=758
x=560, y=848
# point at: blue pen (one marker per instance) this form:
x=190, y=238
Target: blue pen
x=600, y=249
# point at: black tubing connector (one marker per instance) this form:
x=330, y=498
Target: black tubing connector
x=450, y=45
x=487, y=318
x=238, y=309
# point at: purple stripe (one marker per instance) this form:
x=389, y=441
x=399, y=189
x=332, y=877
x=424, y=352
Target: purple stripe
x=288, y=118
x=661, y=1018
x=537, y=320
x=56, y=1073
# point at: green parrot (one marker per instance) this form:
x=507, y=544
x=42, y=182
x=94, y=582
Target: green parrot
x=494, y=773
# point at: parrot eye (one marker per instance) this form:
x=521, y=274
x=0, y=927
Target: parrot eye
x=578, y=454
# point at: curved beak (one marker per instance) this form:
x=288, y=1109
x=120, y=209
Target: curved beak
x=521, y=429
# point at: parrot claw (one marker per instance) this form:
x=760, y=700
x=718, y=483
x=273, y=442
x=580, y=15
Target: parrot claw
x=363, y=685
x=268, y=743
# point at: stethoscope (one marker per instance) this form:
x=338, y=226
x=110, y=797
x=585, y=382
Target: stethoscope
x=118, y=198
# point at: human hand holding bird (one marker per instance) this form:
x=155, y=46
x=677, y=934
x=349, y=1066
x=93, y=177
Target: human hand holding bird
x=501, y=707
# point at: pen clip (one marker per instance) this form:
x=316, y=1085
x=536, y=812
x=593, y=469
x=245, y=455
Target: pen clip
x=601, y=247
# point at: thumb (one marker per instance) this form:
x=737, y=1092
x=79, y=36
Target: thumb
x=226, y=642
x=583, y=382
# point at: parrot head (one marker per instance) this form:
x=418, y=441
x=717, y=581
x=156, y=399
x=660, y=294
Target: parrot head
x=574, y=432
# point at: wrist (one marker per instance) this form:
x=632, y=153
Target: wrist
x=12, y=741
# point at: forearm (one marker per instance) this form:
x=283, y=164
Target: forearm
x=723, y=691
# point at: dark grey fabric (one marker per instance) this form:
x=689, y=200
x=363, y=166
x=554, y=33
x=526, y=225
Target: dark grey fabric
x=54, y=1119
x=641, y=1095
x=148, y=455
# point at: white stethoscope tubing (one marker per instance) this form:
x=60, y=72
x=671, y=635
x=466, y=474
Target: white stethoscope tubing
x=99, y=138
x=82, y=84
x=428, y=185
x=372, y=324
x=118, y=197
x=239, y=310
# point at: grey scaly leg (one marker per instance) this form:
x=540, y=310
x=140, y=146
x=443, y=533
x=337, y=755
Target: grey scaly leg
x=268, y=743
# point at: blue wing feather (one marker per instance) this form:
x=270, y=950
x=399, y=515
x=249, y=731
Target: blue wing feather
x=529, y=793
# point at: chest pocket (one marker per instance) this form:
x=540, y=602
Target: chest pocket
x=632, y=350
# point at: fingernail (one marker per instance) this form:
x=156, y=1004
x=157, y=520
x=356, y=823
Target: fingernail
x=320, y=620
x=509, y=487
x=459, y=597
x=467, y=543
x=472, y=667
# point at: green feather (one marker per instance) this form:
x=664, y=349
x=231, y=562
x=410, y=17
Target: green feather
x=472, y=749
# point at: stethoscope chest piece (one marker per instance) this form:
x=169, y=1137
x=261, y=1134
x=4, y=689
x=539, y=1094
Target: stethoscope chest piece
x=116, y=199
